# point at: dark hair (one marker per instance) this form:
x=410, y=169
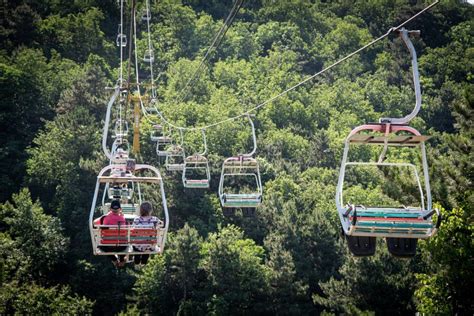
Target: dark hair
x=146, y=208
x=115, y=205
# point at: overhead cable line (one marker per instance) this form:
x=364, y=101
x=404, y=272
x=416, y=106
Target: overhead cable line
x=121, y=60
x=392, y=29
x=150, y=50
x=214, y=45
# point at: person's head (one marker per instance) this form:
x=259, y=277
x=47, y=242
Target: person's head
x=115, y=206
x=145, y=209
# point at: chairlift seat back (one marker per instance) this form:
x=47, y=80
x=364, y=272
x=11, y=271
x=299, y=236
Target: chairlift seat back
x=129, y=236
x=174, y=166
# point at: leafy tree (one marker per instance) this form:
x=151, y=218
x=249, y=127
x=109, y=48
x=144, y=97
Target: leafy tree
x=287, y=291
x=34, y=243
x=183, y=278
x=237, y=276
x=71, y=35
x=33, y=299
x=150, y=287
x=381, y=283
x=18, y=27
x=57, y=59
x=444, y=287
x=15, y=125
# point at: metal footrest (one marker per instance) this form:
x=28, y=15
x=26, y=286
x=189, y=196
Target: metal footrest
x=248, y=212
x=361, y=246
x=228, y=211
x=402, y=247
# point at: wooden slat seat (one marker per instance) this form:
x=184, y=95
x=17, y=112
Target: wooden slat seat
x=113, y=236
x=239, y=163
x=126, y=179
x=390, y=221
x=128, y=235
x=129, y=208
x=147, y=236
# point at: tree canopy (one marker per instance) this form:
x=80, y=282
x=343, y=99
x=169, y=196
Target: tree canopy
x=57, y=60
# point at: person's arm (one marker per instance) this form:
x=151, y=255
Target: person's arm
x=97, y=221
x=157, y=221
x=106, y=220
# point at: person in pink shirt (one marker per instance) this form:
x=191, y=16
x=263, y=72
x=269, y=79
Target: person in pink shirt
x=114, y=217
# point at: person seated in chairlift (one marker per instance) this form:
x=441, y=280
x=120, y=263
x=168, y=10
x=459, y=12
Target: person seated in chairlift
x=144, y=220
x=114, y=217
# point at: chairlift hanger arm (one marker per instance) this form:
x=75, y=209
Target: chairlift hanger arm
x=254, y=139
x=416, y=80
x=107, y=122
x=203, y=132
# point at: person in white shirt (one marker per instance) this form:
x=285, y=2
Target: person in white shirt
x=144, y=220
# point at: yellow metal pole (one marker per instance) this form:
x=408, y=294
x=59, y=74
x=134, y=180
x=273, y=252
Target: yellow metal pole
x=136, y=100
x=136, y=123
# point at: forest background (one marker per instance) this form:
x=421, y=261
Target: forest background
x=57, y=58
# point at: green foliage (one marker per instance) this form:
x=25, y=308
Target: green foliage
x=183, y=259
x=70, y=35
x=381, y=283
x=31, y=299
x=449, y=255
x=237, y=277
x=56, y=61
x=34, y=244
x=149, y=287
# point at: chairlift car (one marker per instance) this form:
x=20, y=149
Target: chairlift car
x=196, y=172
x=125, y=193
x=120, y=128
x=243, y=166
x=162, y=140
x=175, y=158
x=103, y=236
x=401, y=226
x=121, y=40
x=146, y=15
x=156, y=131
x=151, y=108
x=149, y=56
